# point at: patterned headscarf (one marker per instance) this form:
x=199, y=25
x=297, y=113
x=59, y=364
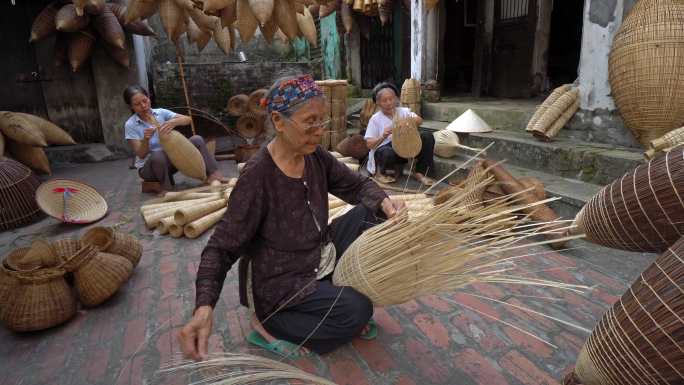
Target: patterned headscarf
x=291, y=92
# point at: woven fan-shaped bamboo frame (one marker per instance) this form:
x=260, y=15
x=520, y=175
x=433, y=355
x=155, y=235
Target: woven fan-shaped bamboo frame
x=641, y=211
x=18, y=187
x=639, y=339
x=646, y=69
x=83, y=204
x=406, y=140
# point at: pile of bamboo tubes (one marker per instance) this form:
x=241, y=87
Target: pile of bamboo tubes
x=350, y=162
x=188, y=213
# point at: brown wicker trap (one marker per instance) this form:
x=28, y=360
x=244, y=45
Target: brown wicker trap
x=237, y=105
x=250, y=125
x=66, y=248
x=114, y=242
x=71, y=201
x=641, y=211
x=639, y=339
x=18, y=187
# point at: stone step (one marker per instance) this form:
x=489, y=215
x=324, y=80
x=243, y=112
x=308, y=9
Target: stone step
x=500, y=114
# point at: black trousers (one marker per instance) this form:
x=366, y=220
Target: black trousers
x=352, y=310
x=386, y=158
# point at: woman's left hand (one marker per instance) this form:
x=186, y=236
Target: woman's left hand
x=166, y=127
x=392, y=207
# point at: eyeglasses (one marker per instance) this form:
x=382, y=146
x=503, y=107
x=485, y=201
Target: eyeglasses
x=308, y=129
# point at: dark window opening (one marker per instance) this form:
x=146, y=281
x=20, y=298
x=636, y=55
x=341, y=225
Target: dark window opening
x=565, y=42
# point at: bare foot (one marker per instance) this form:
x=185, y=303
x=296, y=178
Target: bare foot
x=384, y=178
x=427, y=181
x=216, y=176
x=256, y=325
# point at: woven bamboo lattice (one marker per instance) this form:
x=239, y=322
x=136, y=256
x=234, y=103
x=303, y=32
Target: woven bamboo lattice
x=410, y=95
x=18, y=187
x=66, y=248
x=639, y=339
x=646, y=69
x=546, y=103
x=71, y=201
x=642, y=211
x=555, y=111
x=114, y=242
x=668, y=141
x=406, y=140
x=560, y=122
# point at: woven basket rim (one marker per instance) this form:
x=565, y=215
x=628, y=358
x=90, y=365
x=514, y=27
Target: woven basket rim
x=42, y=192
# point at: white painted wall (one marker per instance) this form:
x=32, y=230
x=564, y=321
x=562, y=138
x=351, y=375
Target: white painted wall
x=418, y=39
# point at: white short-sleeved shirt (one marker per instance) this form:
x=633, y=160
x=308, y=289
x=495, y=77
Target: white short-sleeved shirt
x=135, y=129
x=376, y=126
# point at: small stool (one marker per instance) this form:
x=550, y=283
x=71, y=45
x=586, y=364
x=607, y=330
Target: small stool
x=151, y=187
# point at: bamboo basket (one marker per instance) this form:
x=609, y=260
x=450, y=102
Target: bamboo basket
x=172, y=17
x=286, y=18
x=250, y=125
x=198, y=227
x=446, y=143
x=40, y=255
x=14, y=261
x=186, y=215
x=228, y=14
x=184, y=155
x=140, y=9
x=353, y=146
x=308, y=27
x=645, y=67
x=237, y=105
x=16, y=127
x=268, y=30
x=559, y=123
x=82, y=204
x=31, y=156
x=113, y=242
x=555, y=110
x=53, y=134
x=98, y=276
x=66, y=248
x=7, y=283
x=222, y=38
x=211, y=6
x=246, y=21
x=44, y=23
x=406, y=140
x=552, y=98
x=197, y=36
x=108, y=28
x=67, y=20
x=410, y=95
x=262, y=10
x=639, y=339
x=671, y=139
x=81, y=46
x=641, y=211
x=40, y=300
x=18, y=187
x=101, y=238
x=254, y=103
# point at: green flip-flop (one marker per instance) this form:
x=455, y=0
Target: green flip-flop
x=372, y=333
x=280, y=347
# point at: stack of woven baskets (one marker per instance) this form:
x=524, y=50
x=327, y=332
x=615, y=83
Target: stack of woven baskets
x=79, y=25
x=411, y=95
x=250, y=113
x=335, y=92
x=552, y=115
x=40, y=286
x=24, y=136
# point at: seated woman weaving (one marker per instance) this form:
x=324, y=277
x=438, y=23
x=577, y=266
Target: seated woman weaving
x=277, y=225
x=382, y=157
x=142, y=132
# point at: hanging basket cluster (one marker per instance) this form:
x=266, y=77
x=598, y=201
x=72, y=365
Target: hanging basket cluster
x=23, y=137
x=552, y=115
x=81, y=24
x=41, y=285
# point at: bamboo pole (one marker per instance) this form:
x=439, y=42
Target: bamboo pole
x=198, y=227
x=179, y=58
x=186, y=215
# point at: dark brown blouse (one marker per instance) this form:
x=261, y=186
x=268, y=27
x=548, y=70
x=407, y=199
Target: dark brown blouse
x=270, y=221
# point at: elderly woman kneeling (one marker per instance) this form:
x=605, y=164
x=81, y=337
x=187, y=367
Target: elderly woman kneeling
x=277, y=226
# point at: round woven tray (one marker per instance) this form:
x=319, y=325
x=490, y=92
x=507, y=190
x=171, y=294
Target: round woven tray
x=71, y=201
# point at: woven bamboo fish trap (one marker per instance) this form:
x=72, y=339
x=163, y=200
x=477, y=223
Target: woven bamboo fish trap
x=646, y=67
x=140, y=9
x=71, y=201
x=268, y=30
x=410, y=95
x=172, y=17
x=183, y=155
x=250, y=125
x=228, y=15
x=237, y=105
x=97, y=275
x=668, y=141
x=406, y=140
x=81, y=46
x=641, y=211
x=18, y=128
x=353, y=146
x=114, y=242
x=66, y=248
x=44, y=23
x=18, y=187
x=34, y=157
x=108, y=28
x=41, y=254
x=639, y=339
x=212, y=6
x=138, y=27
x=262, y=9
x=254, y=102
x=308, y=27
x=286, y=18
x=53, y=134
x=246, y=22
x=566, y=102
x=197, y=36
x=203, y=21
x=446, y=143
x=222, y=38
x=40, y=300
x=119, y=55
x=552, y=98
x=67, y=20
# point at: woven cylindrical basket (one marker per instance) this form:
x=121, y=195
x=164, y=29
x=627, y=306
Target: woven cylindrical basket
x=184, y=155
x=254, y=103
x=67, y=20
x=44, y=23
x=246, y=22
x=81, y=46
x=671, y=139
x=639, y=339
x=53, y=134
x=19, y=129
x=7, y=283
x=237, y=105
x=646, y=66
x=71, y=201
x=18, y=187
x=406, y=140
x=250, y=125
x=31, y=156
x=286, y=18
x=99, y=237
x=446, y=143
x=40, y=300
x=641, y=211
x=545, y=104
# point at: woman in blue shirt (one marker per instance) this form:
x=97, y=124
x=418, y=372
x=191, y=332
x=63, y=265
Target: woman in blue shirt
x=142, y=132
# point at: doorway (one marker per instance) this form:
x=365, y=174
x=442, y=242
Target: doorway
x=565, y=43
x=459, y=46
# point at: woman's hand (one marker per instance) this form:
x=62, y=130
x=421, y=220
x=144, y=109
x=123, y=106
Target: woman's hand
x=194, y=337
x=387, y=132
x=149, y=133
x=391, y=208
x=167, y=127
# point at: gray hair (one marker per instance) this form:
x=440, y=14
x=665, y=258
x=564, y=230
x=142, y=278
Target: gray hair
x=268, y=120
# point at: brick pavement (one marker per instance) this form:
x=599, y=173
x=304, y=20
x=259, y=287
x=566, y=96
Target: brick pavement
x=427, y=341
